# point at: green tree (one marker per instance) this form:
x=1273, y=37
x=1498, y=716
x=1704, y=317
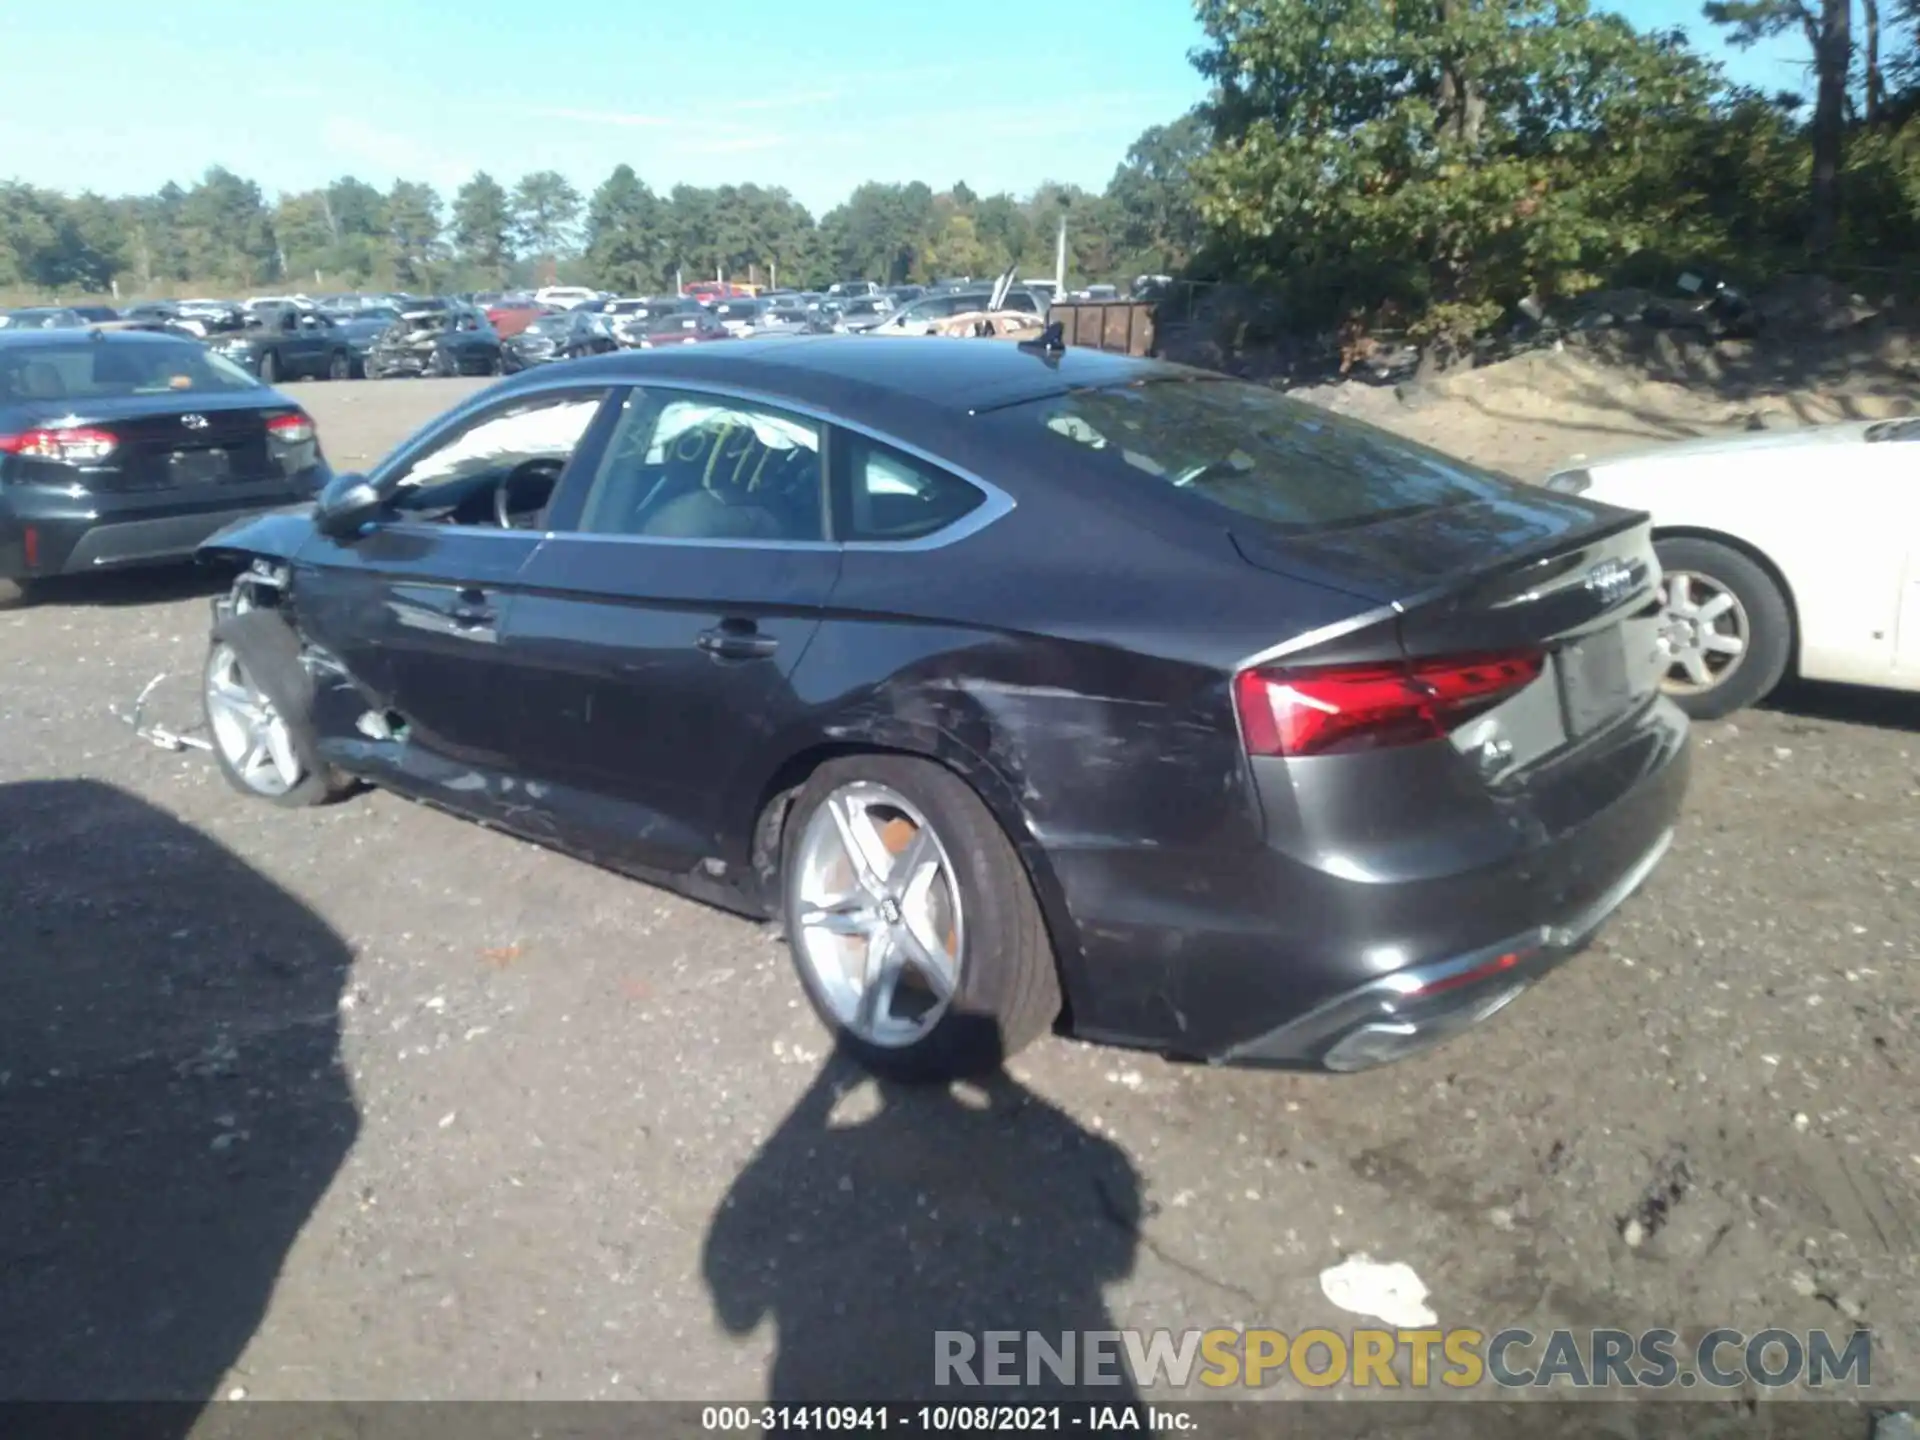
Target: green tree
x=30, y=225
x=483, y=226
x=155, y=251
x=881, y=232
x=1442, y=157
x=626, y=238
x=1007, y=233
x=693, y=232
x=307, y=241
x=545, y=207
x=1155, y=202
x=956, y=247
x=758, y=232
x=225, y=230
x=1828, y=28
x=413, y=232
x=353, y=207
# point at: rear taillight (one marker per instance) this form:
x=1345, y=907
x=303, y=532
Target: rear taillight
x=294, y=429
x=78, y=445
x=1370, y=707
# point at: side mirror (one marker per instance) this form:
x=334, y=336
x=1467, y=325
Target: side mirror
x=347, y=504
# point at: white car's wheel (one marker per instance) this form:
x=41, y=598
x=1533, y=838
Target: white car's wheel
x=1727, y=632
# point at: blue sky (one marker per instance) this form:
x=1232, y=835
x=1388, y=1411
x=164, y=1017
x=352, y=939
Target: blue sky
x=815, y=96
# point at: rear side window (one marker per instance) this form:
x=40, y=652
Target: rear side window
x=1249, y=450
x=100, y=369
x=890, y=496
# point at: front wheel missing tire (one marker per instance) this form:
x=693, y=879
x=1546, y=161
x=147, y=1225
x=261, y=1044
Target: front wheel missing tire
x=259, y=705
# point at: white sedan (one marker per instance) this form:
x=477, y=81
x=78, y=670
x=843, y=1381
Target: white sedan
x=1784, y=551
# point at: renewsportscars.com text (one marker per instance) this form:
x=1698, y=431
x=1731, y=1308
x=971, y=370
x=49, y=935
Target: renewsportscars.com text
x=1457, y=1359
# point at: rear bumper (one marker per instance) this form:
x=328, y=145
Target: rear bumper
x=1415, y=1009
x=45, y=532
x=1375, y=919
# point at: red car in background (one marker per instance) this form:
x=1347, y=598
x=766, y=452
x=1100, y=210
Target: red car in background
x=510, y=317
x=686, y=328
x=716, y=290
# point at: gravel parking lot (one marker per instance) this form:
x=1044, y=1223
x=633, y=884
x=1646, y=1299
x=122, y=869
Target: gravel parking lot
x=368, y=1102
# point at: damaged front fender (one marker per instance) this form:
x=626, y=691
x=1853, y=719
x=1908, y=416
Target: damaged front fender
x=272, y=535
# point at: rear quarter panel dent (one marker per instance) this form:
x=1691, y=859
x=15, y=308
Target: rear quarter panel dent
x=1063, y=766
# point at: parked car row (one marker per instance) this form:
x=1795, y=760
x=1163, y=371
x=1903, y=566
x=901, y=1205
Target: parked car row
x=382, y=335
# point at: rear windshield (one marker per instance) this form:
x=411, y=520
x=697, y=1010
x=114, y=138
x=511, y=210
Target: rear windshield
x=45, y=319
x=1253, y=451
x=551, y=325
x=98, y=369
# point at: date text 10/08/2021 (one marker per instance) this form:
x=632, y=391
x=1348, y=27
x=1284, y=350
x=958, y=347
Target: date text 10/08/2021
x=937, y=1419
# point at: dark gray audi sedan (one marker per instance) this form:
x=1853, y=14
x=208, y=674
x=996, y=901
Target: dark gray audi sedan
x=1025, y=686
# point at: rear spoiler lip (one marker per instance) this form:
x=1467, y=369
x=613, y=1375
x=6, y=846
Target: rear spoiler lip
x=1382, y=610
x=1265, y=551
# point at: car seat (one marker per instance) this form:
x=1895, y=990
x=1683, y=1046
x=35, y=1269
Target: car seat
x=114, y=366
x=39, y=380
x=713, y=476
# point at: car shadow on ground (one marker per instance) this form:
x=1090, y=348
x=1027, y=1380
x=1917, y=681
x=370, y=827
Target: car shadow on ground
x=156, y=585
x=1846, y=705
x=879, y=1214
x=172, y=1099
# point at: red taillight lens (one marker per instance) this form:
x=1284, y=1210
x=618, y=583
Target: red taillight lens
x=1369, y=707
x=295, y=429
x=76, y=446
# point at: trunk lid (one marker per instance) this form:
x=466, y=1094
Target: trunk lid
x=1575, y=581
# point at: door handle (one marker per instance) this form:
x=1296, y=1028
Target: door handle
x=725, y=642
x=470, y=609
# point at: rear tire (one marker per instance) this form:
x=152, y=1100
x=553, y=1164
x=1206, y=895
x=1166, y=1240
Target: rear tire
x=1717, y=596
x=253, y=661
x=340, y=367
x=443, y=365
x=1003, y=987
x=269, y=368
x=18, y=594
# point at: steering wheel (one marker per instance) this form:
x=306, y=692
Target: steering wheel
x=530, y=481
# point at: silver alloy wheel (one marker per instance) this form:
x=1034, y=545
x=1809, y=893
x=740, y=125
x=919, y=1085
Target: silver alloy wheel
x=878, y=914
x=1704, y=632
x=250, y=733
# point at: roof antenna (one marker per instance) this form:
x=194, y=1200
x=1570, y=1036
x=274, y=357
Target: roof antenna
x=1051, y=341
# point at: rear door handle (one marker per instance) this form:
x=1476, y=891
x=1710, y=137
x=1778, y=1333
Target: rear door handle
x=725, y=642
x=471, y=609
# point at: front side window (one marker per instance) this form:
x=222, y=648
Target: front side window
x=688, y=466
x=1248, y=450
x=505, y=461
x=892, y=496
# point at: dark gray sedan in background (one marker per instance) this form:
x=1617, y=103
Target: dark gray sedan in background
x=122, y=448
